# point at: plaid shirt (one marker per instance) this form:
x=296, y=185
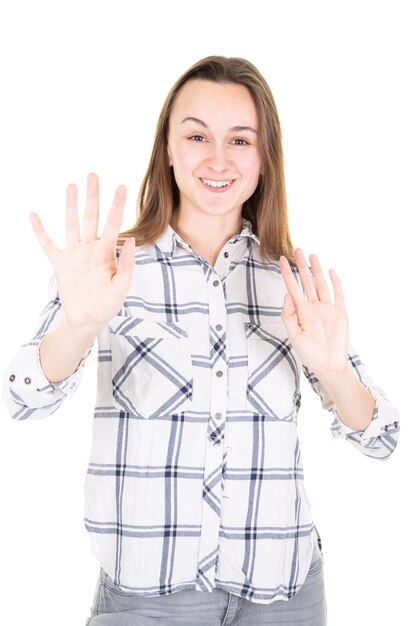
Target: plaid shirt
x=196, y=478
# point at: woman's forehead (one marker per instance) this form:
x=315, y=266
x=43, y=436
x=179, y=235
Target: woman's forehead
x=205, y=100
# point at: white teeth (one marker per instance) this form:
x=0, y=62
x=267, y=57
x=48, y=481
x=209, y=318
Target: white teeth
x=216, y=183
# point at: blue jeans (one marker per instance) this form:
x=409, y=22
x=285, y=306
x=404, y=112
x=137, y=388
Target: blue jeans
x=219, y=608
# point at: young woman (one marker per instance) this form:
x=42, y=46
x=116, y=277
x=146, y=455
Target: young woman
x=205, y=318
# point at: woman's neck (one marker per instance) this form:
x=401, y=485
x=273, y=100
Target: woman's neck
x=206, y=234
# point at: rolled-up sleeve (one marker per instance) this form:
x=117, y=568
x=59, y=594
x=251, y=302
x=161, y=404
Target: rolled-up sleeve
x=26, y=391
x=379, y=439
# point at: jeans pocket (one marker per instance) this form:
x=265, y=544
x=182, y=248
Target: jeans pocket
x=94, y=611
x=316, y=565
x=113, y=600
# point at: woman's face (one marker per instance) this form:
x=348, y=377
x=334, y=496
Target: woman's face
x=213, y=146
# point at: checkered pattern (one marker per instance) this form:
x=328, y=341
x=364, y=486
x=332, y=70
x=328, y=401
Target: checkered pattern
x=196, y=479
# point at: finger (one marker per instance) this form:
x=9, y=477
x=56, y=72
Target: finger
x=123, y=277
x=321, y=284
x=339, y=298
x=90, y=224
x=72, y=224
x=291, y=283
x=114, y=219
x=306, y=276
x=47, y=244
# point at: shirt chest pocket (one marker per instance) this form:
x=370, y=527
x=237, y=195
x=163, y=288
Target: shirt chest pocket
x=151, y=366
x=273, y=371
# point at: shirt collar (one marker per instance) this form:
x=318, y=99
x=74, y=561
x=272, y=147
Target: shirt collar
x=169, y=238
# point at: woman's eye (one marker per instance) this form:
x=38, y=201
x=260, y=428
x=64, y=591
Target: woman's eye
x=237, y=142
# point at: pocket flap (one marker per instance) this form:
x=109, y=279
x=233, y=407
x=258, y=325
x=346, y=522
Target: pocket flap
x=140, y=327
x=261, y=331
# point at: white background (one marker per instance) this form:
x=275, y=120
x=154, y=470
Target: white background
x=82, y=85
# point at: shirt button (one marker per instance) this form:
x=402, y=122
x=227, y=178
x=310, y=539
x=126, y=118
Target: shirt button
x=219, y=326
x=396, y=424
x=218, y=416
x=386, y=427
x=12, y=377
x=219, y=373
x=226, y=254
x=28, y=380
x=215, y=283
x=72, y=386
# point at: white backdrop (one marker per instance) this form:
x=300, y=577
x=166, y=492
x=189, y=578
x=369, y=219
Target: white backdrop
x=82, y=85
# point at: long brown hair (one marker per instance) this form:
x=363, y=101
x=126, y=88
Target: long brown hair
x=266, y=208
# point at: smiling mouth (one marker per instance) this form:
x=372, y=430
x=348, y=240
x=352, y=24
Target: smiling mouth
x=217, y=185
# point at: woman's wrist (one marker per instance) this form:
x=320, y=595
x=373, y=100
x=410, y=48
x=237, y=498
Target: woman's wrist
x=61, y=350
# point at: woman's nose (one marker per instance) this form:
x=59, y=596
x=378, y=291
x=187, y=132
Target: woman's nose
x=218, y=159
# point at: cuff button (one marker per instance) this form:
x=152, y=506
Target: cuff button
x=12, y=377
x=28, y=380
x=386, y=427
x=396, y=424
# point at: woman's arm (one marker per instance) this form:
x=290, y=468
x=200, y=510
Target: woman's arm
x=377, y=438
x=318, y=331
x=92, y=285
x=26, y=391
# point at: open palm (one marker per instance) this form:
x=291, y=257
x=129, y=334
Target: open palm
x=91, y=285
x=317, y=328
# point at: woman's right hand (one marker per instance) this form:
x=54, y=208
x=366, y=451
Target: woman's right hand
x=91, y=285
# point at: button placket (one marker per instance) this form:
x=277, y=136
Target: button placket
x=223, y=262
x=217, y=310
x=217, y=307
x=212, y=484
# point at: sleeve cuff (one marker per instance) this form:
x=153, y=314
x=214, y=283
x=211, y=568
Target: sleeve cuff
x=26, y=388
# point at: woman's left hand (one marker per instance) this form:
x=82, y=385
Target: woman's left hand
x=317, y=329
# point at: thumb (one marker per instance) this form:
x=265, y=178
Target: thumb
x=123, y=277
x=289, y=317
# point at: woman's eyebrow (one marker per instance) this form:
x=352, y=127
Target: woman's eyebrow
x=234, y=129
